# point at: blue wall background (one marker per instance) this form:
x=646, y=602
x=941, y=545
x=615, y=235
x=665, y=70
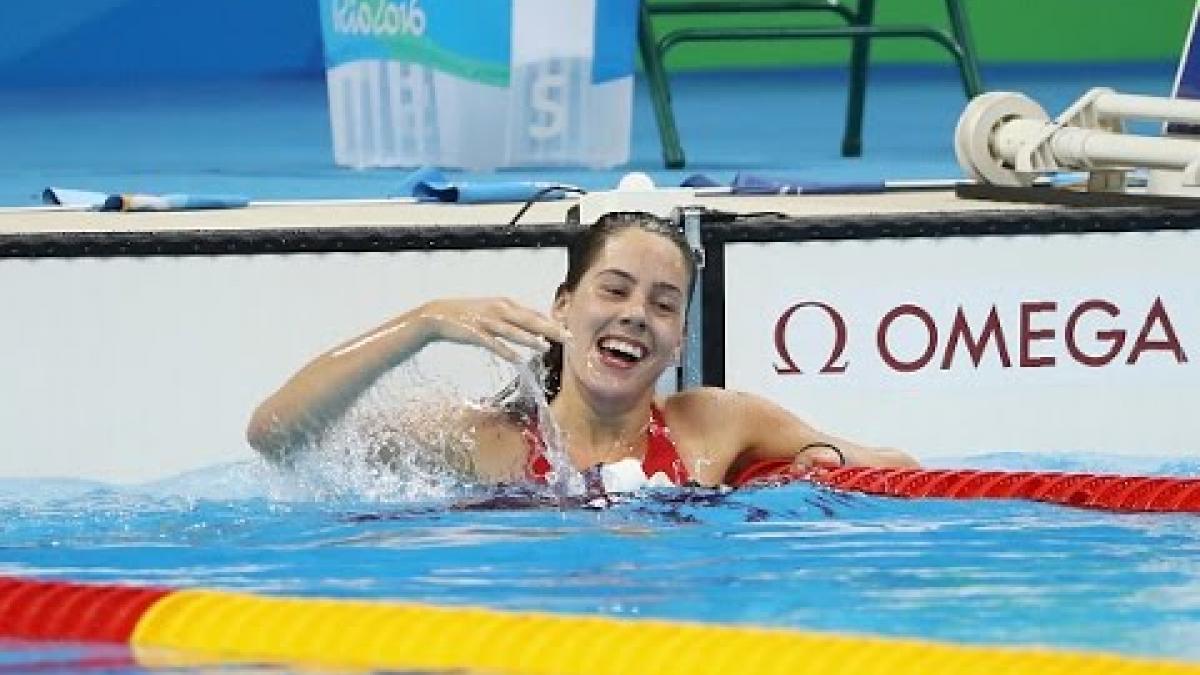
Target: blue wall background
x=76, y=42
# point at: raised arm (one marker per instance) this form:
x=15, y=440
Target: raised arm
x=324, y=389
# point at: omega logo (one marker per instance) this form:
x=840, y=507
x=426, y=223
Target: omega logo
x=966, y=341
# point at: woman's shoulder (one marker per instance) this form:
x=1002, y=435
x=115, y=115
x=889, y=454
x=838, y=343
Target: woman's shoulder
x=715, y=411
x=488, y=422
x=708, y=429
x=500, y=444
x=703, y=407
x=705, y=399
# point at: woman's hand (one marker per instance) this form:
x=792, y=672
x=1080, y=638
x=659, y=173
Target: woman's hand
x=491, y=323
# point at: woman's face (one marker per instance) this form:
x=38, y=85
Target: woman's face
x=626, y=315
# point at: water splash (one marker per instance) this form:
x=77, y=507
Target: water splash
x=410, y=436
x=563, y=478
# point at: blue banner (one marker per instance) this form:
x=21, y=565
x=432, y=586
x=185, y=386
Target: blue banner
x=436, y=33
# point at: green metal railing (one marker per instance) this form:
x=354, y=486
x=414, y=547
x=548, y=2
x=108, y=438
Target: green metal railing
x=860, y=28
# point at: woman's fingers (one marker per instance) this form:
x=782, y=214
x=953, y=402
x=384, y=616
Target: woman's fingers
x=516, y=334
x=488, y=341
x=533, y=322
x=495, y=324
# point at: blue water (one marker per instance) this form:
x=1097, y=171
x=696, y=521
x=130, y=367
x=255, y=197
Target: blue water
x=799, y=556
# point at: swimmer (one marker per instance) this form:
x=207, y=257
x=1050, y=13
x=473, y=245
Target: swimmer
x=616, y=324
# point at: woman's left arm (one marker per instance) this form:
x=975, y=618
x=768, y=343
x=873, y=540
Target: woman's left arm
x=767, y=431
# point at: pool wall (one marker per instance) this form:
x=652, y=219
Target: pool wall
x=945, y=326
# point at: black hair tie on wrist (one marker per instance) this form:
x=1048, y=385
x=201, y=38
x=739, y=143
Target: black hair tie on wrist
x=838, y=451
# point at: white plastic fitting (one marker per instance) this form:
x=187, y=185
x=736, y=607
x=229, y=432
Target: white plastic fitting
x=1005, y=138
x=635, y=192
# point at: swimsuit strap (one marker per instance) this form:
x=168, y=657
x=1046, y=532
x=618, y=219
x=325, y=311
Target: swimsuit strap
x=536, y=466
x=661, y=453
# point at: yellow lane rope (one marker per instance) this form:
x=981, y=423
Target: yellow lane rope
x=373, y=635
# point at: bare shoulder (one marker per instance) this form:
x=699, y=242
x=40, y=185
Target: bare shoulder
x=708, y=428
x=500, y=450
x=730, y=418
x=711, y=405
x=694, y=403
x=711, y=412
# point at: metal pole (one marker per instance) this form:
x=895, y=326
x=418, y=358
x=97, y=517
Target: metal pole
x=691, y=360
x=1131, y=106
x=1075, y=148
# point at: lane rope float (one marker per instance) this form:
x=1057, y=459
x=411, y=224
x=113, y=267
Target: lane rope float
x=181, y=627
x=1111, y=492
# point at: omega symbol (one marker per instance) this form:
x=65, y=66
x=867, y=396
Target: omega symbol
x=831, y=366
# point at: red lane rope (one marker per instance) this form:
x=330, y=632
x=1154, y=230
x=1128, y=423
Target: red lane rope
x=1096, y=491
x=55, y=610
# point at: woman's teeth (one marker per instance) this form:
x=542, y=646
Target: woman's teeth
x=629, y=351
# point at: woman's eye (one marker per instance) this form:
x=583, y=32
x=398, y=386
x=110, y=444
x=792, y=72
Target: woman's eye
x=615, y=292
x=667, y=307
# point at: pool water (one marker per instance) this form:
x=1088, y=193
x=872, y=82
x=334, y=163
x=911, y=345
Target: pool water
x=798, y=556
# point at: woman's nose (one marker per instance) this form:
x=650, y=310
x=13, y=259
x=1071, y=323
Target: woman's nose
x=638, y=322
x=634, y=315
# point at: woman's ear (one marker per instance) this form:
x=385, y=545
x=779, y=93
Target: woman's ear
x=562, y=303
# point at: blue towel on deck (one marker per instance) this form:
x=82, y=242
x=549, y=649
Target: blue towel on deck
x=756, y=184
x=105, y=201
x=700, y=180
x=429, y=185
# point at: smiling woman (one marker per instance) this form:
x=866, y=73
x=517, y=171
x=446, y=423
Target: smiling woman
x=616, y=324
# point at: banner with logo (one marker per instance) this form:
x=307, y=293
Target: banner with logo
x=480, y=84
x=959, y=346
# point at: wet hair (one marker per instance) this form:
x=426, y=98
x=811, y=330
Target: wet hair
x=582, y=252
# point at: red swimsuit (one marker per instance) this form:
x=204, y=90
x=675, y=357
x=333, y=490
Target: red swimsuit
x=661, y=454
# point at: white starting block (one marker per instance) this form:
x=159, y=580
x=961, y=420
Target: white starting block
x=1006, y=139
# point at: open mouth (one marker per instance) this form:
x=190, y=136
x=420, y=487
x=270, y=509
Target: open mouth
x=621, y=352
